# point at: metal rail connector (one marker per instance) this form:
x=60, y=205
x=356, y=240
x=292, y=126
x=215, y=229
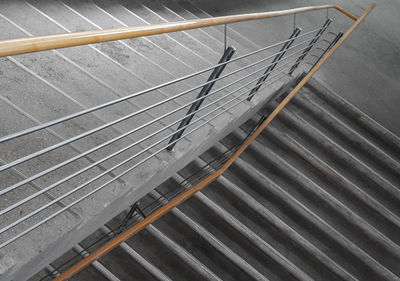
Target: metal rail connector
x=134, y=209
x=229, y=52
x=310, y=45
x=276, y=60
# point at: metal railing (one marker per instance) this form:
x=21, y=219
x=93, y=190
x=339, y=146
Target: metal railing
x=193, y=109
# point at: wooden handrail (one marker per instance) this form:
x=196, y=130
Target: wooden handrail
x=190, y=192
x=49, y=42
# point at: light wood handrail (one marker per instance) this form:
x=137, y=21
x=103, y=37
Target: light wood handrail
x=49, y=42
x=190, y=192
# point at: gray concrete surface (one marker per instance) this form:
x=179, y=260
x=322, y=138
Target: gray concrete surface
x=365, y=70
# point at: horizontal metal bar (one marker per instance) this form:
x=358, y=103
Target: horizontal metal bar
x=107, y=104
x=113, y=179
x=99, y=188
x=52, y=186
x=125, y=134
x=10, y=188
x=78, y=137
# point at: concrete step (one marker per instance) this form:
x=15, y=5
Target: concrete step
x=349, y=139
x=289, y=242
x=125, y=256
x=304, y=221
x=312, y=194
x=355, y=118
x=350, y=135
x=232, y=226
x=336, y=183
x=342, y=159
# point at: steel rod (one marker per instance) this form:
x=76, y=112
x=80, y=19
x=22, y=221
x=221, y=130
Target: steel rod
x=52, y=186
x=25, y=181
x=104, y=126
x=110, y=181
x=225, y=31
x=134, y=95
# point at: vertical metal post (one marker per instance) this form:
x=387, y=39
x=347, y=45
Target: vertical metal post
x=202, y=95
x=294, y=21
x=276, y=60
x=225, y=37
x=310, y=45
x=330, y=46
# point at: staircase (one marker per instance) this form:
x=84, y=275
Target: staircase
x=315, y=197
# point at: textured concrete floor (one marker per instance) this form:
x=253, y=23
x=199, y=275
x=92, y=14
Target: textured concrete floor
x=365, y=69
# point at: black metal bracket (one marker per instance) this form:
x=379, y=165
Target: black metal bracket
x=310, y=45
x=276, y=60
x=134, y=209
x=330, y=46
x=229, y=52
